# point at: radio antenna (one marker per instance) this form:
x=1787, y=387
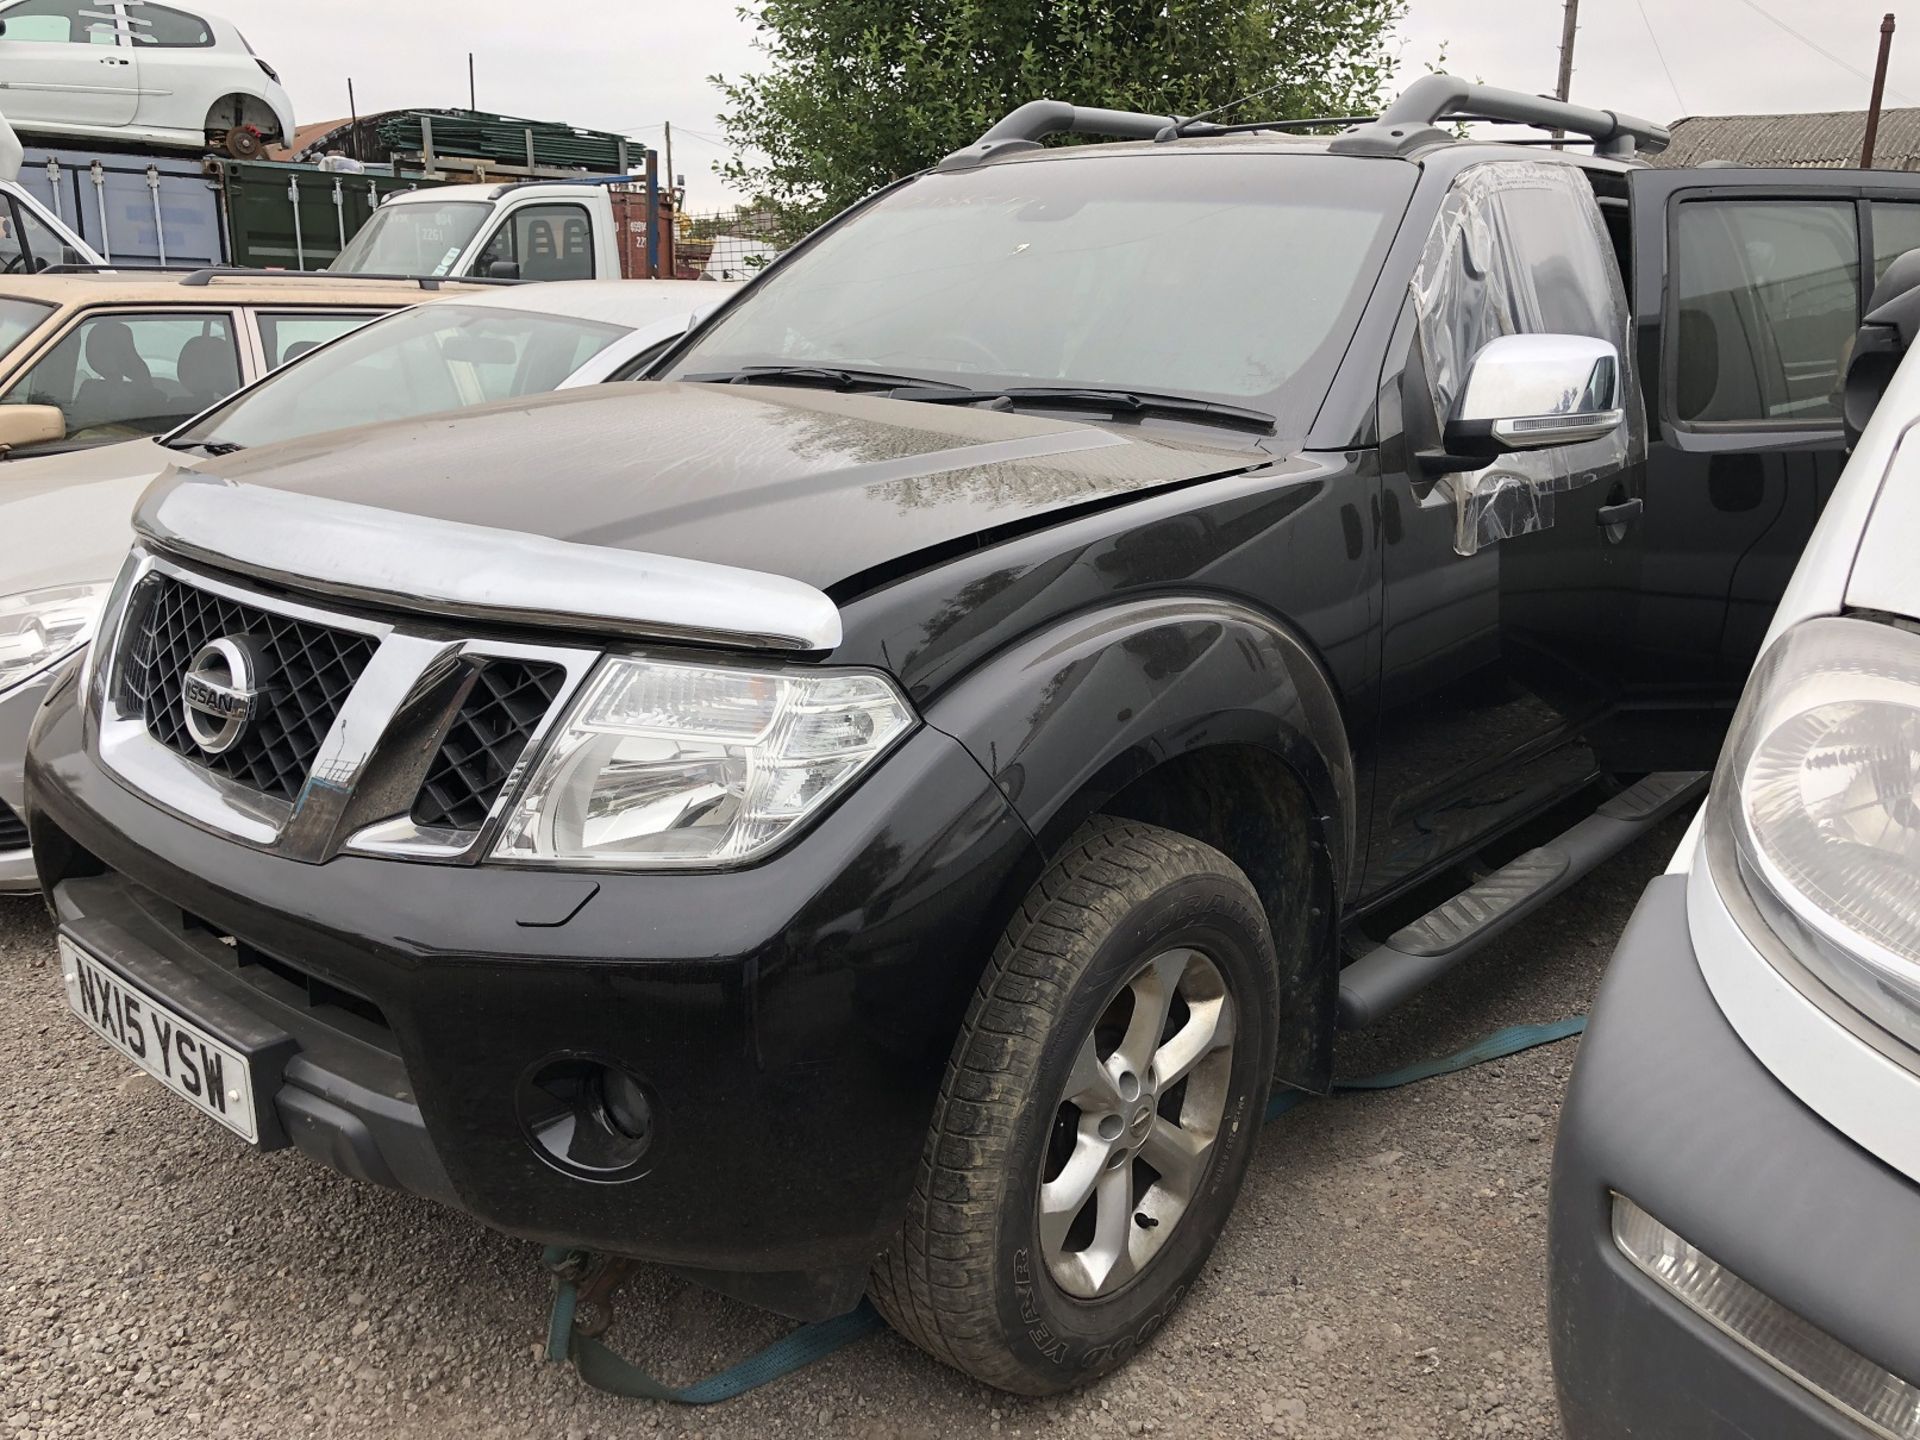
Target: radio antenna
x=1179, y=127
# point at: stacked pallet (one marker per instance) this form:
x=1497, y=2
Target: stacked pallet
x=502, y=139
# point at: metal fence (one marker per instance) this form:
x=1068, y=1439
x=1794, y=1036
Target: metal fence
x=725, y=244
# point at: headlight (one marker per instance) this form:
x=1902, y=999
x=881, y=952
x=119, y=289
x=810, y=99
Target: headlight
x=43, y=626
x=1821, y=788
x=670, y=764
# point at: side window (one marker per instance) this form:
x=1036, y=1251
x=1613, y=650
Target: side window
x=167, y=28
x=27, y=243
x=60, y=22
x=1896, y=230
x=131, y=374
x=290, y=334
x=1767, y=297
x=547, y=242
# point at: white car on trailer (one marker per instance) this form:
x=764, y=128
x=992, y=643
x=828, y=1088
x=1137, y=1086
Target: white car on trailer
x=138, y=70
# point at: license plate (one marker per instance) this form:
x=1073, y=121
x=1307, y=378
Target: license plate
x=208, y=1074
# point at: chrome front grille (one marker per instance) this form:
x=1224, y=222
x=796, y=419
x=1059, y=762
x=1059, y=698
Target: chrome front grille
x=310, y=670
x=356, y=732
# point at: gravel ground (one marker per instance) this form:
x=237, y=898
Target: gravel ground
x=1383, y=1276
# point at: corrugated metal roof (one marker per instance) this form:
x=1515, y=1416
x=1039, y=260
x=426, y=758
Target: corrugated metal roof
x=305, y=137
x=1830, y=139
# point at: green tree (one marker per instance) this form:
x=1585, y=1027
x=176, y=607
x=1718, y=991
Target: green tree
x=860, y=92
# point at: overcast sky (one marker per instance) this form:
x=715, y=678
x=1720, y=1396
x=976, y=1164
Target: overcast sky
x=629, y=66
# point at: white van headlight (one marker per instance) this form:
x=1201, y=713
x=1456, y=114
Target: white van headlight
x=40, y=627
x=1820, y=784
x=667, y=764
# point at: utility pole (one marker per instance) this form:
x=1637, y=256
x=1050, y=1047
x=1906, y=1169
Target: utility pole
x=472, y=104
x=1569, y=22
x=667, y=145
x=1879, y=91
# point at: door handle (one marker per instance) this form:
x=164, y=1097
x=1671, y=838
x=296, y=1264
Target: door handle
x=1624, y=512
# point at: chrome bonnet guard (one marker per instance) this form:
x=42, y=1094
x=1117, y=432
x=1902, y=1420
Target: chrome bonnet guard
x=448, y=568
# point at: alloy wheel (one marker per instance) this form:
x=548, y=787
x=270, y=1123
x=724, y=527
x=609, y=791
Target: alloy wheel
x=1136, y=1124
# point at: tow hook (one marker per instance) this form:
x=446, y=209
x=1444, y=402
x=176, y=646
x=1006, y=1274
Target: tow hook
x=595, y=1278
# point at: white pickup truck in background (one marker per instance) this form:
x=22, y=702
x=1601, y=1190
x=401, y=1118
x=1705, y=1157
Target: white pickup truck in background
x=523, y=230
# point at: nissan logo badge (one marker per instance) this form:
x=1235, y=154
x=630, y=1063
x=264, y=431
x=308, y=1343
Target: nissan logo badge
x=218, y=693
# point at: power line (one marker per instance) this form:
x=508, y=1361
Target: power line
x=1814, y=46
x=701, y=135
x=1662, y=55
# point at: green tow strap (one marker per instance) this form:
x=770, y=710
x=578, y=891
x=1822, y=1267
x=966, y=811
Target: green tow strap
x=1497, y=1046
x=604, y=1370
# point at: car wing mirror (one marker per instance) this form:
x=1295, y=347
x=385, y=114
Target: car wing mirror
x=23, y=425
x=1532, y=392
x=1886, y=332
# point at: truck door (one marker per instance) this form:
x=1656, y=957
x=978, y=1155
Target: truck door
x=62, y=63
x=1748, y=293
x=1501, y=625
x=548, y=241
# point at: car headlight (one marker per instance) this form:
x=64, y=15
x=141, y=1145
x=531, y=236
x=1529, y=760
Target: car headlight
x=1820, y=787
x=663, y=763
x=40, y=627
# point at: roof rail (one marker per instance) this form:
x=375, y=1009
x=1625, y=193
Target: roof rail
x=212, y=273
x=108, y=267
x=1025, y=128
x=1410, y=123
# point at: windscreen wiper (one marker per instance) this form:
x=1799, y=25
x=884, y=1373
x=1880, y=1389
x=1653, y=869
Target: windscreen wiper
x=1119, y=402
x=205, y=447
x=830, y=377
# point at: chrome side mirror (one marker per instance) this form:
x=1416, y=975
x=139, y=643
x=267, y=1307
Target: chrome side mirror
x=1530, y=392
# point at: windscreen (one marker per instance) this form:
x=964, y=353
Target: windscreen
x=413, y=238
x=431, y=358
x=1227, y=277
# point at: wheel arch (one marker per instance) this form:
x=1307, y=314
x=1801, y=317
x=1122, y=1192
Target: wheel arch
x=253, y=109
x=1202, y=715
x=1249, y=804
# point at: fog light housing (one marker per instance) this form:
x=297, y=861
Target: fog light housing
x=587, y=1117
x=1844, y=1378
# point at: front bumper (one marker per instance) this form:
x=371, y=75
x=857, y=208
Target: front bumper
x=17, y=707
x=793, y=1020
x=1669, y=1108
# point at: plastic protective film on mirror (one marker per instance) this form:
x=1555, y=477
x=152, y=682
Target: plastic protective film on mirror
x=1520, y=248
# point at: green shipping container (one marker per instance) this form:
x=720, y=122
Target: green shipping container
x=295, y=217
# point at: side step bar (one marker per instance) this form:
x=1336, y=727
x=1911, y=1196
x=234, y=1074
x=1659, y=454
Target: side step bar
x=1416, y=955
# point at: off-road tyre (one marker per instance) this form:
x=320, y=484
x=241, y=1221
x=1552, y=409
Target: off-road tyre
x=964, y=1279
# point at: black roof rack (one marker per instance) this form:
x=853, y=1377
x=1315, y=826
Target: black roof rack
x=1025, y=128
x=1408, y=125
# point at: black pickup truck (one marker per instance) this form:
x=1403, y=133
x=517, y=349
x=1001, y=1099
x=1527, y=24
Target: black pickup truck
x=877, y=811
